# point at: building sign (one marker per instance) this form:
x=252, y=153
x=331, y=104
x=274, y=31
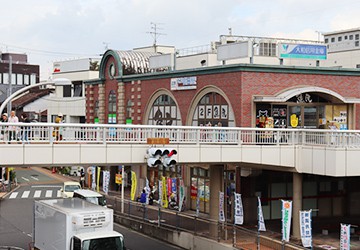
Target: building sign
x=183, y=83
x=303, y=51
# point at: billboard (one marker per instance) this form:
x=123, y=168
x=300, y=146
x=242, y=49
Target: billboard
x=303, y=51
x=161, y=61
x=232, y=51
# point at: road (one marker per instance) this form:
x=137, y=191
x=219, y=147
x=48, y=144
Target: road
x=16, y=215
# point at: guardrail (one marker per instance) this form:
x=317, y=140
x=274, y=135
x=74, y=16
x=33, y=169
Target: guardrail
x=114, y=133
x=237, y=236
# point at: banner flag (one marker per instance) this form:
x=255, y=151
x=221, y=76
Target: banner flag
x=160, y=193
x=197, y=202
x=286, y=219
x=181, y=194
x=221, y=207
x=165, y=201
x=239, y=212
x=133, y=185
x=98, y=180
x=261, y=222
x=344, y=237
x=147, y=190
x=106, y=181
x=93, y=179
x=305, y=228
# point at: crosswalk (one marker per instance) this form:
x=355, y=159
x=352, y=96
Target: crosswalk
x=35, y=192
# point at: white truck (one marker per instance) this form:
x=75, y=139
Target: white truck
x=74, y=224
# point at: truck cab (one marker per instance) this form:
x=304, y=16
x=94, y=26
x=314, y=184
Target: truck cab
x=88, y=241
x=90, y=196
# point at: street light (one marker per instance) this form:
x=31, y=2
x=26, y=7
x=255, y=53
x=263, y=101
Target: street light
x=54, y=82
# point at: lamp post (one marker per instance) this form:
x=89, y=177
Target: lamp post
x=55, y=82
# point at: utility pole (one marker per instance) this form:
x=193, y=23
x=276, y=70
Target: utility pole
x=155, y=33
x=10, y=84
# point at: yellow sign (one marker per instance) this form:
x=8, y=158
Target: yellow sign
x=294, y=120
x=133, y=185
x=158, y=140
x=118, y=179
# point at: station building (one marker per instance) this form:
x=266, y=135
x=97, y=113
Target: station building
x=235, y=95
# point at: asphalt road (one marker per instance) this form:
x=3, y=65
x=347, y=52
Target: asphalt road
x=16, y=215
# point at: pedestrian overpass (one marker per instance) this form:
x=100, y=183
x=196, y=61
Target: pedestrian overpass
x=321, y=152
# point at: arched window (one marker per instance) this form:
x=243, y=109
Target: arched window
x=213, y=110
x=96, y=109
x=112, y=102
x=164, y=112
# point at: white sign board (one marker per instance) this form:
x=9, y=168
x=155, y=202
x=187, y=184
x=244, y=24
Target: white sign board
x=232, y=51
x=161, y=61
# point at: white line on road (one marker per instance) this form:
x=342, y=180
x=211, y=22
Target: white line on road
x=48, y=193
x=37, y=194
x=25, y=194
x=13, y=195
x=46, y=186
x=35, y=178
x=26, y=179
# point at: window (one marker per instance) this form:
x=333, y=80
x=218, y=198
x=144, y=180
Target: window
x=358, y=66
x=339, y=39
x=1, y=78
x=112, y=102
x=26, y=79
x=333, y=39
x=6, y=78
x=67, y=91
x=357, y=37
x=32, y=79
x=267, y=49
x=164, y=111
x=351, y=37
x=77, y=89
x=13, y=79
x=19, y=79
x=356, y=43
x=326, y=40
x=345, y=37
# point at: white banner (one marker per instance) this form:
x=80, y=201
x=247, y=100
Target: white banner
x=261, y=223
x=221, y=207
x=181, y=195
x=106, y=181
x=197, y=203
x=305, y=228
x=239, y=212
x=147, y=190
x=160, y=193
x=286, y=219
x=93, y=175
x=344, y=237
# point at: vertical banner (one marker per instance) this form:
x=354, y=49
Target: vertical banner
x=133, y=185
x=344, y=237
x=181, y=194
x=106, y=181
x=261, y=222
x=98, y=180
x=93, y=174
x=221, y=207
x=239, y=212
x=197, y=203
x=286, y=219
x=160, y=192
x=165, y=201
x=305, y=228
x=168, y=185
x=147, y=190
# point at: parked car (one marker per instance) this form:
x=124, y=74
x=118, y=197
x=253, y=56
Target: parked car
x=67, y=191
x=90, y=196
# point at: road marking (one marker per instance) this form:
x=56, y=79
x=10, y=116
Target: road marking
x=37, y=193
x=46, y=186
x=48, y=193
x=25, y=194
x=35, y=178
x=25, y=179
x=13, y=195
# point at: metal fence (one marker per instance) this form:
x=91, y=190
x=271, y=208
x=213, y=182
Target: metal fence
x=114, y=133
x=237, y=236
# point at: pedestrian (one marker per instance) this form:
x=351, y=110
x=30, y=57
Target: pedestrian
x=143, y=197
x=82, y=178
x=58, y=130
x=4, y=129
x=13, y=130
x=25, y=129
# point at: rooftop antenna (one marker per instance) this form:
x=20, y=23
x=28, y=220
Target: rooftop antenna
x=106, y=45
x=155, y=34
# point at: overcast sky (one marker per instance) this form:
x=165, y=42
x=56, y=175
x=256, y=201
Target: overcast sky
x=53, y=30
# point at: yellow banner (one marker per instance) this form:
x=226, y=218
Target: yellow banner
x=98, y=179
x=133, y=185
x=118, y=179
x=165, y=201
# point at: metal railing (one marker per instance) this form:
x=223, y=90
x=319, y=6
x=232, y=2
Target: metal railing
x=238, y=236
x=114, y=133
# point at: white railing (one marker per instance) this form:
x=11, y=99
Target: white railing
x=107, y=133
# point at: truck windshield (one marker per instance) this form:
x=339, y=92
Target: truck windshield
x=97, y=200
x=111, y=243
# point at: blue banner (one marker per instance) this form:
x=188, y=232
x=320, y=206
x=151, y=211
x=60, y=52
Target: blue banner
x=303, y=51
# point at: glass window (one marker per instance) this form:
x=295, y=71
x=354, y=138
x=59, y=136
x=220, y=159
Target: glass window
x=1, y=78
x=77, y=89
x=19, y=79
x=339, y=39
x=333, y=39
x=356, y=43
x=351, y=37
x=357, y=37
x=13, y=79
x=6, y=78
x=345, y=37
x=112, y=102
x=67, y=91
x=326, y=40
x=26, y=79
x=164, y=111
x=33, y=79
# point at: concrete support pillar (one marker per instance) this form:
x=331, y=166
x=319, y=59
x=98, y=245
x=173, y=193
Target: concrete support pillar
x=297, y=203
x=216, y=185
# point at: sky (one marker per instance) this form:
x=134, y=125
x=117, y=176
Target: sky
x=57, y=30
